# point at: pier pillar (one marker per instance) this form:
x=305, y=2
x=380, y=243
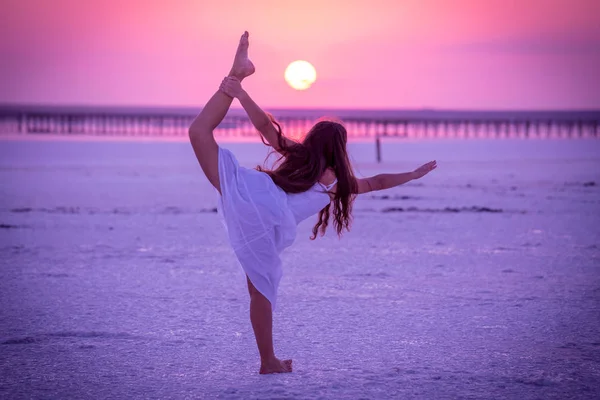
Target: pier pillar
x=23, y=123
x=378, y=148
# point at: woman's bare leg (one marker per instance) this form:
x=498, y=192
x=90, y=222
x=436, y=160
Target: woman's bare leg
x=261, y=316
x=207, y=153
x=201, y=130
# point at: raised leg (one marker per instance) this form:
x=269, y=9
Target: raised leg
x=261, y=317
x=201, y=130
x=202, y=139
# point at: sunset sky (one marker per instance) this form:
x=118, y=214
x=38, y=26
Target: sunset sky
x=450, y=54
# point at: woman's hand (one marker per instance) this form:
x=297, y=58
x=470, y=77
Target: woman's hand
x=424, y=169
x=231, y=86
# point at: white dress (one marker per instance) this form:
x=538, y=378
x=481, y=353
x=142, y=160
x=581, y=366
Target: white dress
x=261, y=219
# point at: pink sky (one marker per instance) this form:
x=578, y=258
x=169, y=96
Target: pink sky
x=452, y=54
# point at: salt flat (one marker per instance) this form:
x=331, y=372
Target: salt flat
x=481, y=280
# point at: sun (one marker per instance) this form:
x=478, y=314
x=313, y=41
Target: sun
x=300, y=75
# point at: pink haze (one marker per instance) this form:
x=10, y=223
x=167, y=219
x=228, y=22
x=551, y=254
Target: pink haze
x=452, y=54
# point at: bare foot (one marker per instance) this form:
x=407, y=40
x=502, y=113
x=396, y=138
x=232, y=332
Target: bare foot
x=288, y=364
x=276, y=367
x=242, y=66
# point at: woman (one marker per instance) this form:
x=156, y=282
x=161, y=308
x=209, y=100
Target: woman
x=261, y=208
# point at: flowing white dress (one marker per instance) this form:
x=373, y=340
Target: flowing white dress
x=261, y=219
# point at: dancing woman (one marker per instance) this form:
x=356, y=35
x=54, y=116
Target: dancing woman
x=261, y=208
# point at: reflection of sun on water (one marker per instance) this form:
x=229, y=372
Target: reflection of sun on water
x=300, y=75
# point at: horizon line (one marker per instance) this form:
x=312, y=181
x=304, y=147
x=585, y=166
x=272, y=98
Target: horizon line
x=50, y=106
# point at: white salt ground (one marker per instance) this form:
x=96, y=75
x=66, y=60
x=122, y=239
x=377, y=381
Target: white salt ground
x=480, y=281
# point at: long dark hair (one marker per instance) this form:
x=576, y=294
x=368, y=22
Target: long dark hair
x=302, y=164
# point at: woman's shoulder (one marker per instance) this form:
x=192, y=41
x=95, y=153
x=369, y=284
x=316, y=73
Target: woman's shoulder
x=328, y=177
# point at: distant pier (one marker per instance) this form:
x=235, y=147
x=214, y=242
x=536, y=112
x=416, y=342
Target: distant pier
x=173, y=122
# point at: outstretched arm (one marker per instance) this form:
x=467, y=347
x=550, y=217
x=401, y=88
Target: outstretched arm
x=386, y=181
x=261, y=121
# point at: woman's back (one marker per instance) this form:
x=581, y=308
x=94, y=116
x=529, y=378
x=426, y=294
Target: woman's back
x=306, y=204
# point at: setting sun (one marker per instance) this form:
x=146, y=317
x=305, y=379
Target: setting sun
x=300, y=75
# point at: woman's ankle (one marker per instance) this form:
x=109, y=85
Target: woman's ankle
x=269, y=360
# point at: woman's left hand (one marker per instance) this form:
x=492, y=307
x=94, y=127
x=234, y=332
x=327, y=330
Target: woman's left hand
x=231, y=86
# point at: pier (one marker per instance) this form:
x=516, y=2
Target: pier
x=431, y=124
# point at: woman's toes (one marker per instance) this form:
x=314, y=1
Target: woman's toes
x=288, y=364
